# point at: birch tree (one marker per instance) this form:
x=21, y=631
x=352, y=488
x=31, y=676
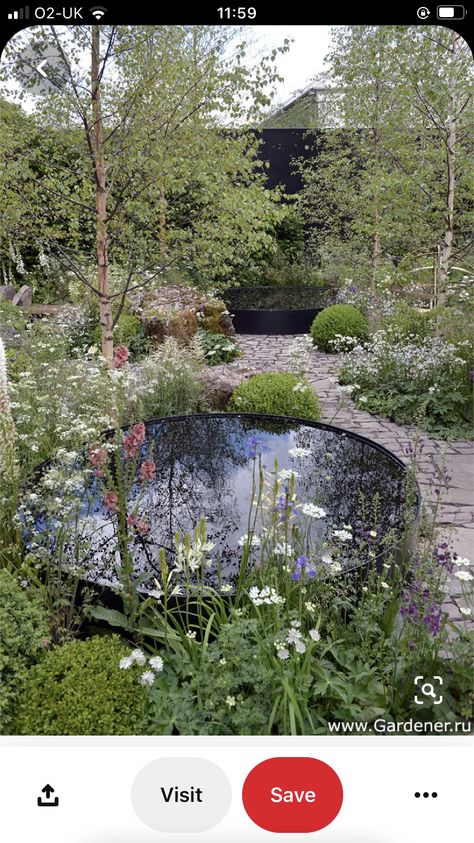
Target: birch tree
x=165, y=183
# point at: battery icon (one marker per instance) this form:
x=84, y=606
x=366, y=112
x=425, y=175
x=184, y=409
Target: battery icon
x=451, y=12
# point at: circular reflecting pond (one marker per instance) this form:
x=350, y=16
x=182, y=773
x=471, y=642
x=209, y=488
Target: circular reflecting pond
x=210, y=466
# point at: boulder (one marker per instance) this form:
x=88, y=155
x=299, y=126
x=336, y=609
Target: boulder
x=179, y=312
x=24, y=297
x=219, y=382
x=7, y=292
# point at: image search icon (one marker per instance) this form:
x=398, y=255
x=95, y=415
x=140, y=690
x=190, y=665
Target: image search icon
x=427, y=690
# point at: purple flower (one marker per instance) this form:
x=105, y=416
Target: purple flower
x=255, y=446
x=303, y=564
x=419, y=608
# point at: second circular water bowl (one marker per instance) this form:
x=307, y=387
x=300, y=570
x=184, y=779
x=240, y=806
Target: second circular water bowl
x=208, y=466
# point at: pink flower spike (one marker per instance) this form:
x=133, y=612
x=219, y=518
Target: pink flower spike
x=111, y=501
x=139, y=432
x=121, y=356
x=143, y=527
x=147, y=470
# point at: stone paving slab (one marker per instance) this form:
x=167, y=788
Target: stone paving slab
x=455, y=513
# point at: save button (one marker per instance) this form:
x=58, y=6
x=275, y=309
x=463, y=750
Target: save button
x=292, y=794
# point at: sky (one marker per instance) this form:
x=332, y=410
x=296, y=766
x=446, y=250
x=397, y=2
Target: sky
x=305, y=58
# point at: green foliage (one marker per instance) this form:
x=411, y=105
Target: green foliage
x=12, y=324
x=277, y=394
x=228, y=692
x=408, y=323
x=338, y=320
x=128, y=331
x=423, y=381
x=217, y=348
x=78, y=689
x=23, y=630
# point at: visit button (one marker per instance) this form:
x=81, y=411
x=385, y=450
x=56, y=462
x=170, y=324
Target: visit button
x=292, y=794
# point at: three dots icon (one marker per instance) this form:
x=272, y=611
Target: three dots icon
x=426, y=795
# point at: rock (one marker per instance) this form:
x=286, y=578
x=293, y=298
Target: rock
x=178, y=311
x=7, y=292
x=24, y=297
x=219, y=382
x=180, y=324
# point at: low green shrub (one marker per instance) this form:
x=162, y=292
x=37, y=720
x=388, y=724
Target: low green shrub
x=78, y=689
x=339, y=320
x=217, y=348
x=277, y=394
x=23, y=630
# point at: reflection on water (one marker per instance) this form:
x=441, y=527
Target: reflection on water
x=204, y=469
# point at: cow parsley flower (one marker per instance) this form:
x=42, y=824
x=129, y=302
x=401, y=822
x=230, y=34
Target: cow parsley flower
x=299, y=452
x=342, y=535
x=464, y=576
x=313, y=511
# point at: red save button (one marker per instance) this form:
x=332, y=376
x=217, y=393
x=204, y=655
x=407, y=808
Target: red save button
x=292, y=794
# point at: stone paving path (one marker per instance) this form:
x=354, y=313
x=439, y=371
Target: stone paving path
x=455, y=513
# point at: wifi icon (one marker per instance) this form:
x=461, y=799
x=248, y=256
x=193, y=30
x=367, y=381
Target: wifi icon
x=98, y=12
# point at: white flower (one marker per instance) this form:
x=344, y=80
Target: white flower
x=335, y=567
x=342, y=535
x=147, y=678
x=310, y=607
x=314, y=634
x=157, y=663
x=313, y=511
x=226, y=588
x=296, y=624
x=299, y=452
x=465, y=611
x=384, y=585
x=283, y=653
x=281, y=549
x=373, y=533
x=328, y=560
x=293, y=636
x=266, y=595
x=222, y=662
x=300, y=387
x=125, y=663
x=300, y=646
x=254, y=542
x=465, y=576
x=230, y=701
x=191, y=634
x=461, y=560
x=138, y=656
x=287, y=474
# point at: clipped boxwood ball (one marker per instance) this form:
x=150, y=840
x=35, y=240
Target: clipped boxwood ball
x=343, y=319
x=79, y=689
x=276, y=394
